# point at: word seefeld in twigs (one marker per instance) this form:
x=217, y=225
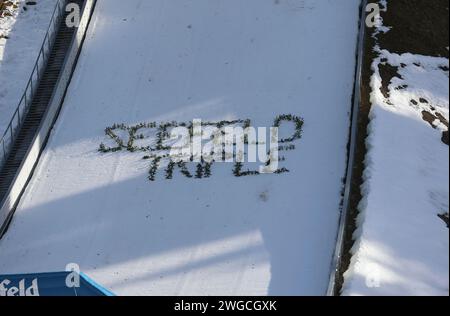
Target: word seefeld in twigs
x=172, y=145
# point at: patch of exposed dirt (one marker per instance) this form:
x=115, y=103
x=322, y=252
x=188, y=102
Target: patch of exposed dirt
x=432, y=118
x=445, y=137
x=387, y=73
x=429, y=118
x=444, y=217
x=418, y=27
x=442, y=119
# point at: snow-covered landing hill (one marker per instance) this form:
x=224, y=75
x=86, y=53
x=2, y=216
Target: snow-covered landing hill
x=160, y=60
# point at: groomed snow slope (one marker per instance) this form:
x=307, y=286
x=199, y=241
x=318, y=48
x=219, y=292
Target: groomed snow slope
x=179, y=60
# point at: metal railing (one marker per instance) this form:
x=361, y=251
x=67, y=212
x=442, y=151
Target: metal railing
x=14, y=126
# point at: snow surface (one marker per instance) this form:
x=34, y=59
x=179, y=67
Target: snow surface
x=211, y=59
x=25, y=31
x=402, y=246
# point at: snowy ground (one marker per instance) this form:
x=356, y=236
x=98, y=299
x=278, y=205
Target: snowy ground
x=211, y=59
x=402, y=245
x=21, y=36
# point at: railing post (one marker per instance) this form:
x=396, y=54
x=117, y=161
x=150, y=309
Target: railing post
x=18, y=114
x=37, y=65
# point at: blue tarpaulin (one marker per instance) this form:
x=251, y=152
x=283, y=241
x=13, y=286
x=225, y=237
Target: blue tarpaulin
x=50, y=284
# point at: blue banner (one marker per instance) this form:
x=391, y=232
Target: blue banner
x=50, y=284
